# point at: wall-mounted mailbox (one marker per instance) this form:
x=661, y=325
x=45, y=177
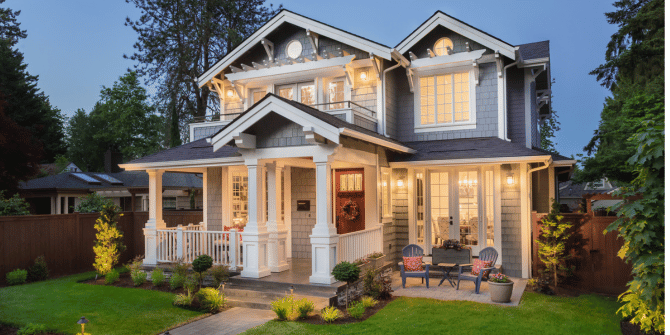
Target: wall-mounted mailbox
x=303, y=205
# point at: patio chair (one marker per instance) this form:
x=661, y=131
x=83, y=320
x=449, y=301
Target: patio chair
x=487, y=254
x=413, y=250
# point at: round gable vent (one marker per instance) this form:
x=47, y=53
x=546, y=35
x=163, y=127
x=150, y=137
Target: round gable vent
x=294, y=49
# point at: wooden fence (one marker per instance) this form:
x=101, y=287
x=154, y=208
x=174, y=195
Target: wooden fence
x=598, y=269
x=67, y=240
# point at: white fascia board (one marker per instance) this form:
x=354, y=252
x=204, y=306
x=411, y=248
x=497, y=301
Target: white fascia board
x=376, y=140
x=533, y=62
x=454, y=59
x=285, y=16
x=337, y=63
x=459, y=28
x=274, y=104
x=570, y=162
x=183, y=164
x=473, y=161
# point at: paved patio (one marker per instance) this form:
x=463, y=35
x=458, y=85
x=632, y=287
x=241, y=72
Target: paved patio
x=233, y=321
x=415, y=289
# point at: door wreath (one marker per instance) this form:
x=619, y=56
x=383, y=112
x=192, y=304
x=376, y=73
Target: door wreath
x=350, y=210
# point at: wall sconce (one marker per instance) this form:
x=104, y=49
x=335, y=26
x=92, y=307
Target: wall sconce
x=510, y=178
x=230, y=93
x=364, y=75
x=400, y=183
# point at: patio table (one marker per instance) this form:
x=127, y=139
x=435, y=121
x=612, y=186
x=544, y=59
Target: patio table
x=446, y=271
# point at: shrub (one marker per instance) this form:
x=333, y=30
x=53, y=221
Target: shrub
x=552, y=243
x=17, y=277
x=93, y=203
x=211, y=299
x=135, y=264
x=283, y=307
x=220, y=274
x=176, y=281
x=13, y=206
x=356, y=310
x=111, y=277
x=330, y=314
x=180, y=268
x=183, y=299
x=346, y=272
x=157, y=277
x=32, y=329
x=201, y=264
x=368, y=302
x=304, y=307
x=139, y=277
x=371, y=285
x=190, y=283
x=109, y=240
x=376, y=255
x=39, y=270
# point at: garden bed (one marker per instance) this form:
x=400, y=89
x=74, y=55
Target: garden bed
x=316, y=319
x=126, y=282
x=9, y=330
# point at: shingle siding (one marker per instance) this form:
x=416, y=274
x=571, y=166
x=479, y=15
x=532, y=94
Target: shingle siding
x=396, y=234
x=516, y=107
x=391, y=97
x=202, y=132
x=510, y=196
x=277, y=131
x=303, y=187
x=214, y=199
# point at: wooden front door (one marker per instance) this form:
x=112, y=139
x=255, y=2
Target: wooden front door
x=349, y=200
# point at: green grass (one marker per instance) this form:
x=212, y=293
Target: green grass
x=59, y=303
x=537, y=314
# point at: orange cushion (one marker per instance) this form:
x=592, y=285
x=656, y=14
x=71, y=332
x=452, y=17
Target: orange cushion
x=478, y=264
x=413, y=264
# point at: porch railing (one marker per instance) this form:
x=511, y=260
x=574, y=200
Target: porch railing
x=189, y=227
x=184, y=243
x=359, y=244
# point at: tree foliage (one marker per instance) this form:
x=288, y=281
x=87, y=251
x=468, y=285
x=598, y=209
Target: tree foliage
x=14, y=205
x=552, y=249
x=93, y=203
x=20, y=153
x=548, y=130
x=641, y=224
x=109, y=240
x=180, y=40
x=123, y=120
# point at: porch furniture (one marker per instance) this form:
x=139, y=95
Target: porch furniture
x=448, y=259
x=487, y=254
x=413, y=250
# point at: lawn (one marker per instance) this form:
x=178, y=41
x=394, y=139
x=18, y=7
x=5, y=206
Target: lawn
x=537, y=314
x=59, y=303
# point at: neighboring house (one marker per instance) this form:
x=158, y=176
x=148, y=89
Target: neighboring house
x=572, y=194
x=61, y=193
x=331, y=146
x=53, y=168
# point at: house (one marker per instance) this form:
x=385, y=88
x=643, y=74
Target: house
x=571, y=195
x=53, y=168
x=330, y=146
x=61, y=193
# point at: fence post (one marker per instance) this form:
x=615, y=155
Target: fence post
x=180, y=242
x=232, y=249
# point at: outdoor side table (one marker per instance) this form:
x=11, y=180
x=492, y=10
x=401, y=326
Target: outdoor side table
x=446, y=271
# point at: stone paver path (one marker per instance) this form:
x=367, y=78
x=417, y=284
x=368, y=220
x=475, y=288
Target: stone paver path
x=233, y=321
x=415, y=289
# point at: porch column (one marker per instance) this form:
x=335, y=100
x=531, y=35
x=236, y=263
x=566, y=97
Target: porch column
x=324, y=236
x=255, y=235
x=58, y=205
x=155, y=216
x=276, y=228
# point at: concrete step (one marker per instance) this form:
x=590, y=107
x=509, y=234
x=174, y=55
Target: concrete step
x=263, y=299
x=283, y=288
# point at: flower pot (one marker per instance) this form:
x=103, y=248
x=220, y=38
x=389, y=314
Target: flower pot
x=377, y=262
x=501, y=292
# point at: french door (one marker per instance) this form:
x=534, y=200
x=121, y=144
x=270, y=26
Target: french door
x=302, y=92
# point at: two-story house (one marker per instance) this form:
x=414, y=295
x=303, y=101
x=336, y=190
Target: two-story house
x=330, y=146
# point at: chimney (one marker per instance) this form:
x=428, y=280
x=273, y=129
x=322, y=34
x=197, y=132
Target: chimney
x=112, y=161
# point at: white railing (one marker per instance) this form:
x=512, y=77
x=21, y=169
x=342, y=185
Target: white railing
x=359, y=244
x=189, y=227
x=187, y=243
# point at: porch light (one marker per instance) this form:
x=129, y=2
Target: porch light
x=364, y=75
x=230, y=93
x=83, y=323
x=510, y=179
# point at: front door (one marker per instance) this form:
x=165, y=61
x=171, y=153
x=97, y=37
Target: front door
x=349, y=200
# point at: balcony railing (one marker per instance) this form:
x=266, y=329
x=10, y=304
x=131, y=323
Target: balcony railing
x=215, y=117
x=334, y=106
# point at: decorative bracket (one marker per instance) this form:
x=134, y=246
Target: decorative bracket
x=349, y=73
x=311, y=137
x=475, y=67
x=245, y=141
x=467, y=47
x=314, y=41
x=410, y=77
x=376, y=66
x=269, y=49
x=238, y=89
x=430, y=53
x=412, y=56
x=499, y=64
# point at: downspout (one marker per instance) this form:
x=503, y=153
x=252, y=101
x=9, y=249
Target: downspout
x=505, y=97
x=384, y=96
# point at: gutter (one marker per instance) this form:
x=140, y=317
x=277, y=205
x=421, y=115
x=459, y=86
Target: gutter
x=505, y=98
x=402, y=61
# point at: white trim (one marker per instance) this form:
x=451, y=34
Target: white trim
x=191, y=163
x=288, y=17
x=459, y=28
x=461, y=58
x=524, y=188
x=470, y=161
x=376, y=140
x=331, y=67
x=497, y=210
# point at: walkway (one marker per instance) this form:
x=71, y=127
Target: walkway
x=233, y=321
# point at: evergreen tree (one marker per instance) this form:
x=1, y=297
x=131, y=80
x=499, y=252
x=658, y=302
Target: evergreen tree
x=109, y=240
x=552, y=249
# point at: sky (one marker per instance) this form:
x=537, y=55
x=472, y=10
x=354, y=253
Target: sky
x=77, y=46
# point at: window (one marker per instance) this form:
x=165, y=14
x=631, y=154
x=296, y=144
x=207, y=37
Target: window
x=286, y=92
x=441, y=45
x=240, y=198
x=257, y=95
x=439, y=206
x=488, y=200
x=445, y=99
x=170, y=203
x=304, y=92
x=386, y=194
x=351, y=182
x=420, y=211
x=336, y=94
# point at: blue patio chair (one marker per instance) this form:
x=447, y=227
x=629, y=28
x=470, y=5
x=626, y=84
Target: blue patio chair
x=413, y=250
x=487, y=254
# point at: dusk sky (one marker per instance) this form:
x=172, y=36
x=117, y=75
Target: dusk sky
x=77, y=46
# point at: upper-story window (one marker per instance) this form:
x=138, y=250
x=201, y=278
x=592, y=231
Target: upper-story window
x=440, y=47
x=257, y=94
x=336, y=94
x=303, y=92
x=445, y=99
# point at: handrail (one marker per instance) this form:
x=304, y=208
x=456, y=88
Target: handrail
x=348, y=104
x=215, y=117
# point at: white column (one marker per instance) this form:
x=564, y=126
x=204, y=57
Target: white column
x=276, y=228
x=324, y=236
x=155, y=216
x=524, y=185
x=551, y=189
x=58, y=205
x=255, y=235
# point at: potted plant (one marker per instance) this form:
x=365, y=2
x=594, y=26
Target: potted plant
x=500, y=287
x=364, y=264
x=377, y=259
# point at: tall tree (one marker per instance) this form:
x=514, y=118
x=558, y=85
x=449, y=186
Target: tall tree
x=25, y=104
x=179, y=40
x=634, y=63
x=20, y=153
x=123, y=120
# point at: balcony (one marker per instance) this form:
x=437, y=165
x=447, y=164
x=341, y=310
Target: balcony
x=205, y=126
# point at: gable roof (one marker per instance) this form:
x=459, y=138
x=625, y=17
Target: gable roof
x=129, y=179
x=460, y=27
x=286, y=16
x=534, y=50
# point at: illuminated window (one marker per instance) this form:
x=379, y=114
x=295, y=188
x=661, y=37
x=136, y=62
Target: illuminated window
x=258, y=94
x=441, y=45
x=445, y=99
x=307, y=93
x=488, y=199
x=286, y=92
x=386, y=194
x=336, y=94
x=240, y=198
x=351, y=182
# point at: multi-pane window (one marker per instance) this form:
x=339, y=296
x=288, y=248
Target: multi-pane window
x=336, y=94
x=170, y=203
x=304, y=93
x=439, y=206
x=307, y=94
x=258, y=94
x=441, y=45
x=351, y=182
x=420, y=210
x=488, y=196
x=445, y=99
x=286, y=92
x=240, y=198
x=386, y=194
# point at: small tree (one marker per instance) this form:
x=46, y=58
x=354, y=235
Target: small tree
x=346, y=272
x=201, y=264
x=93, y=203
x=13, y=206
x=552, y=243
x=109, y=240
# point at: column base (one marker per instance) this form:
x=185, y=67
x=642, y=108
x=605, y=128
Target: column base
x=324, y=258
x=255, y=248
x=150, y=247
x=277, y=251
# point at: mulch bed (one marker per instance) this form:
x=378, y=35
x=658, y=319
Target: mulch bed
x=316, y=318
x=628, y=328
x=9, y=330
x=559, y=291
x=127, y=282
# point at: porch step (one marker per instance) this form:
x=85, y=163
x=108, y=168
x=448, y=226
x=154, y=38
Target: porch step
x=325, y=291
x=262, y=299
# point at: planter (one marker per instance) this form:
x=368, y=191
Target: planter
x=501, y=292
x=365, y=267
x=377, y=262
